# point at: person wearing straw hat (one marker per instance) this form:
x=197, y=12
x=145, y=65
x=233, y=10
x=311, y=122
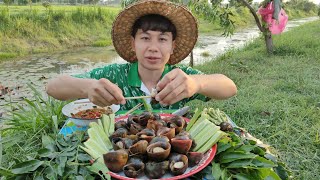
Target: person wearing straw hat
x=153, y=36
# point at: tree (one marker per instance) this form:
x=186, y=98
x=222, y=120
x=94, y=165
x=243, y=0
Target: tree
x=222, y=13
x=46, y=5
x=125, y=3
x=263, y=28
x=30, y=3
x=93, y=1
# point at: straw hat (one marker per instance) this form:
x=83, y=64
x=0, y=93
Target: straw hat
x=186, y=26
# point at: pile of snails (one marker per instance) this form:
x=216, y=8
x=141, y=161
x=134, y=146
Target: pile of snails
x=151, y=145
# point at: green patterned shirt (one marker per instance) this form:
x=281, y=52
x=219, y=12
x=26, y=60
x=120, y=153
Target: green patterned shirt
x=127, y=78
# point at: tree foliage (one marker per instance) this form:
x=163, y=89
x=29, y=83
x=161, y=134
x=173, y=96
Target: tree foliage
x=93, y=1
x=7, y=2
x=302, y=5
x=46, y=4
x=215, y=13
x=125, y=3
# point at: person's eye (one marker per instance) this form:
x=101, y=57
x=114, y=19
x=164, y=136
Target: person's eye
x=145, y=38
x=163, y=39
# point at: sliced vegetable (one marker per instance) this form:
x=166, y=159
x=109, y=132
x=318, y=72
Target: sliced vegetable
x=106, y=123
x=203, y=137
x=100, y=124
x=99, y=142
x=193, y=119
x=198, y=127
x=93, y=154
x=100, y=138
x=94, y=145
x=111, y=125
x=213, y=140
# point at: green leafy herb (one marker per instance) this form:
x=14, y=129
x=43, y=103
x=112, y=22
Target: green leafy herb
x=26, y=167
x=242, y=159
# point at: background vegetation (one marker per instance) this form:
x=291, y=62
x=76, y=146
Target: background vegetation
x=296, y=8
x=44, y=28
x=25, y=30
x=278, y=98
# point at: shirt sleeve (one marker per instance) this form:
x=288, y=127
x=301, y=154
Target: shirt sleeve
x=190, y=71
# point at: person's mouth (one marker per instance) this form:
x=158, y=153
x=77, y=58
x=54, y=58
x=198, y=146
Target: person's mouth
x=152, y=58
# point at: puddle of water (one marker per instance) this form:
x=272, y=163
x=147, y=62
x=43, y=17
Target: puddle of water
x=37, y=69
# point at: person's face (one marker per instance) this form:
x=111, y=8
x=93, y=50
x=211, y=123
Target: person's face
x=153, y=48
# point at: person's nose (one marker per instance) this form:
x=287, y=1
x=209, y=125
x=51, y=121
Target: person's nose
x=153, y=47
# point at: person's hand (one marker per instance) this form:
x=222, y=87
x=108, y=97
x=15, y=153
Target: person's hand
x=175, y=86
x=102, y=92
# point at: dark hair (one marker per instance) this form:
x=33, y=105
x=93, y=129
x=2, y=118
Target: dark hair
x=154, y=22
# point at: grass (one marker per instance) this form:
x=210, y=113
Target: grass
x=205, y=54
x=36, y=117
x=7, y=55
x=205, y=27
x=26, y=31
x=102, y=43
x=278, y=98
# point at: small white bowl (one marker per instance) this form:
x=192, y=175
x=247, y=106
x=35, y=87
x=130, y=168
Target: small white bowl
x=76, y=106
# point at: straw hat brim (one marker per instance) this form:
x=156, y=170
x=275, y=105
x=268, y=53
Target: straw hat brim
x=185, y=23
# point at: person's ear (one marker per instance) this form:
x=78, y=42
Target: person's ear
x=132, y=44
x=173, y=46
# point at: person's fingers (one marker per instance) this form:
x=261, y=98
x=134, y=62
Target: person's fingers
x=170, y=88
x=116, y=92
x=174, y=96
x=167, y=79
x=105, y=97
x=98, y=100
x=112, y=93
x=102, y=103
x=177, y=98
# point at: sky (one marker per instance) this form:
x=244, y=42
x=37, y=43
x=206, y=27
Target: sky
x=316, y=1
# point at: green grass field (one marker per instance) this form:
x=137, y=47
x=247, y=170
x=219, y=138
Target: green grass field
x=27, y=31
x=66, y=8
x=278, y=96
